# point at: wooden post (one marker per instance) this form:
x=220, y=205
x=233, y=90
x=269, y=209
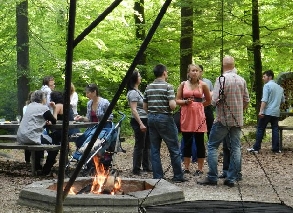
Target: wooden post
x=68, y=74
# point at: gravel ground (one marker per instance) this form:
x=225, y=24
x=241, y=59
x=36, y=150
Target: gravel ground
x=273, y=186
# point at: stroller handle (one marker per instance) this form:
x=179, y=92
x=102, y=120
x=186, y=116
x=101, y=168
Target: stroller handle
x=108, y=137
x=123, y=116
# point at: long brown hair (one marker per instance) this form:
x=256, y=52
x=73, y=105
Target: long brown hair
x=72, y=89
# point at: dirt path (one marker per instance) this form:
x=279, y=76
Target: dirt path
x=255, y=186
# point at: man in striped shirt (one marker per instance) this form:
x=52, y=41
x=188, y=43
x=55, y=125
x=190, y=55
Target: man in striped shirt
x=159, y=102
x=230, y=96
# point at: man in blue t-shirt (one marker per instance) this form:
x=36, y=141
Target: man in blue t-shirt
x=273, y=95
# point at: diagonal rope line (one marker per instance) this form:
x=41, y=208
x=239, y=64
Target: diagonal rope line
x=141, y=209
x=259, y=162
x=246, y=140
x=139, y=54
x=223, y=99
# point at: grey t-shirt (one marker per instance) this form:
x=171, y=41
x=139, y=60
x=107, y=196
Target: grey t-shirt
x=209, y=83
x=32, y=125
x=136, y=96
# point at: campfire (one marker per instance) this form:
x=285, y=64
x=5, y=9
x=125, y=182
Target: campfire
x=105, y=181
x=103, y=192
x=42, y=194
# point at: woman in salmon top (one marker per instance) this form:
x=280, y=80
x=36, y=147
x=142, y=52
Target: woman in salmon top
x=190, y=97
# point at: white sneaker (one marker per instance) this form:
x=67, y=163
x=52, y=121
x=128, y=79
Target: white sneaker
x=251, y=150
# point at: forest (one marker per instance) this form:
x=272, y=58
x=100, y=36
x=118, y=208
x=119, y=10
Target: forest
x=258, y=34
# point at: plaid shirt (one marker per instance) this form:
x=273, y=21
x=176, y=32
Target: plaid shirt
x=230, y=111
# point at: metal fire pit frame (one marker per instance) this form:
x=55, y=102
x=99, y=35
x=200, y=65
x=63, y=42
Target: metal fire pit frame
x=38, y=195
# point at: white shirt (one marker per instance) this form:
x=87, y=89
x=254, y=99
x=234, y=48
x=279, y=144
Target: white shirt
x=73, y=102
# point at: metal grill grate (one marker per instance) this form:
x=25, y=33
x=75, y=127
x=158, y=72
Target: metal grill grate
x=214, y=206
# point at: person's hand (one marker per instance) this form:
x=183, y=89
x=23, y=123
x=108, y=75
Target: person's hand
x=188, y=101
x=78, y=118
x=52, y=104
x=261, y=115
x=48, y=122
x=142, y=127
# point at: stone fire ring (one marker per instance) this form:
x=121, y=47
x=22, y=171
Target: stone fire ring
x=41, y=195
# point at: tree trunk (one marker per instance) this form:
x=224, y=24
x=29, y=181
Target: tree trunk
x=22, y=48
x=139, y=19
x=256, y=47
x=186, y=39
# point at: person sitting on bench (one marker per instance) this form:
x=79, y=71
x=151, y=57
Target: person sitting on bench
x=31, y=128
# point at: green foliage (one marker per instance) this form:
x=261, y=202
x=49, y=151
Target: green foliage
x=104, y=56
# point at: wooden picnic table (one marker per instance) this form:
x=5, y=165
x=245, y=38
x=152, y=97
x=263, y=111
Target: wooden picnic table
x=286, y=113
x=36, y=147
x=59, y=125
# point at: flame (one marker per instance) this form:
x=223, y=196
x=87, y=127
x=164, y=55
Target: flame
x=117, y=186
x=102, y=180
x=100, y=177
x=72, y=191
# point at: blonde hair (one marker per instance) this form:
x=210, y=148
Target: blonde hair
x=189, y=67
x=72, y=89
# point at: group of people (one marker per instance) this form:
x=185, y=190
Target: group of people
x=152, y=121
x=43, y=108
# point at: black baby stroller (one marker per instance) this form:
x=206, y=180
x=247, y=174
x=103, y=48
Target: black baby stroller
x=106, y=146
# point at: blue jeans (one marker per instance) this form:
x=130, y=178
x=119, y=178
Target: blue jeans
x=261, y=127
x=162, y=127
x=226, y=157
x=219, y=132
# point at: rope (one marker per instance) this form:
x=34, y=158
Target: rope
x=246, y=140
x=222, y=37
x=141, y=209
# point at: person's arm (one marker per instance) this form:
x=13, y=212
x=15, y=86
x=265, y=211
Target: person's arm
x=81, y=118
x=133, y=106
x=179, y=96
x=24, y=109
x=172, y=104
x=262, y=108
x=145, y=107
x=171, y=97
x=245, y=105
x=265, y=97
x=49, y=117
x=246, y=98
x=107, y=104
x=215, y=95
x=56, y=109
x=207, y=94
x=88, y=111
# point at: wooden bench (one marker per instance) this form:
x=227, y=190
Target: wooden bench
x=281, y=128
x=32, y=149
x=8, y=137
